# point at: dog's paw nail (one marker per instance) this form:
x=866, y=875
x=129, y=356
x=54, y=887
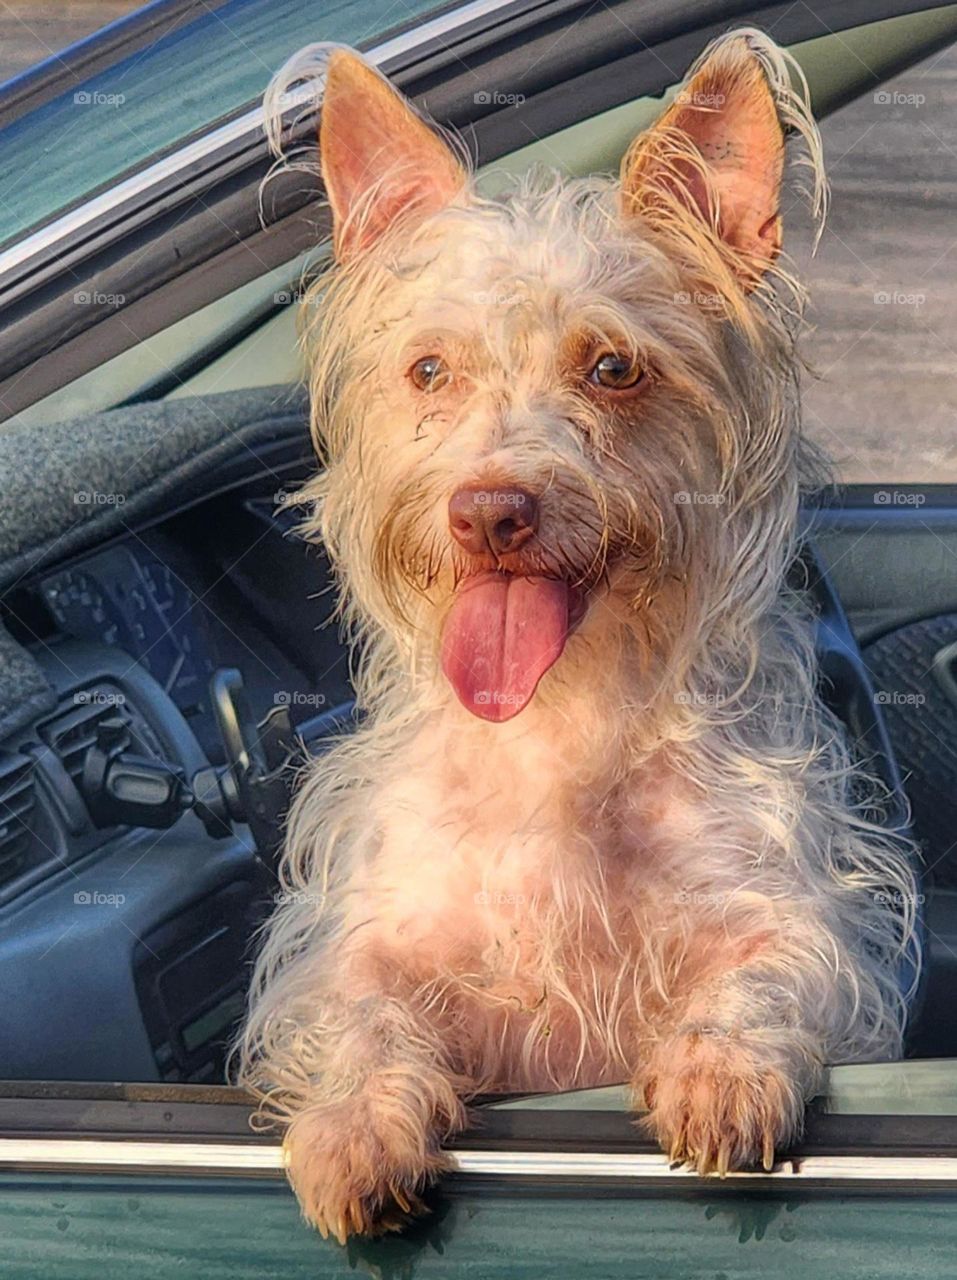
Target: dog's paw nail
x=401, y=1199
x=351, y=1219
x=768, y=1154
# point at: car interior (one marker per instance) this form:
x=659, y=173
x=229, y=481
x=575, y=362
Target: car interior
x=169, y=657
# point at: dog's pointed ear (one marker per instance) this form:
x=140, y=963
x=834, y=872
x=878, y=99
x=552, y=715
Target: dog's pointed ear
x=718, y=153
x=379, y=159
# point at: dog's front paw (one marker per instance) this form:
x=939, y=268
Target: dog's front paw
x=714, y=1103
x=355, y=1173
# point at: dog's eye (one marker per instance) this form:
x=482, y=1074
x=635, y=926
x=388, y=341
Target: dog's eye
x=617, y=373
x=430, y=373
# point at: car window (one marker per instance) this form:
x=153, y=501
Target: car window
x=879, y=348
x=149, y=101
x=882, y=398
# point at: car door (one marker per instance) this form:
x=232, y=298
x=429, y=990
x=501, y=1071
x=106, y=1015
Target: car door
x=170, y=1181
x=100, y=1179
x=891, y=552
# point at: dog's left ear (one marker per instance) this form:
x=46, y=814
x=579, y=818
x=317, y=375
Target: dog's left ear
x=379, y=159
x=718, y=153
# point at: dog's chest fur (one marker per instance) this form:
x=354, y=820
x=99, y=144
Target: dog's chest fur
x=521, y=887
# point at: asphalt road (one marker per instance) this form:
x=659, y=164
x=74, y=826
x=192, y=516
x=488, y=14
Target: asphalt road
x=31, y=30
x=883, y=285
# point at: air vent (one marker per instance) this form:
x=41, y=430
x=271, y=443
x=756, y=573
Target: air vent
x=72, y=732
x=17, y=797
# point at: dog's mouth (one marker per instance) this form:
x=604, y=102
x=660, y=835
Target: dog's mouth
x=504, y=631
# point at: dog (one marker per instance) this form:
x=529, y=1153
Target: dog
x=595, y=825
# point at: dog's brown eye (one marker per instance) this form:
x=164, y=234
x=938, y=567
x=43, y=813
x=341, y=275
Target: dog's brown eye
x=430, y=373
x=617, y=373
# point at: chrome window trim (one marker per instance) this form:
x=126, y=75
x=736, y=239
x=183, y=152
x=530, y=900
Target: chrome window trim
x=257, y=1159
x=655, y=1166
x=248, y=125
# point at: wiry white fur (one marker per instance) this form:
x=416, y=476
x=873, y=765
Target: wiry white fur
x=657, y=872
x=292, y=94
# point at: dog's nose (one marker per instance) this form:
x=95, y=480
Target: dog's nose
x=496, y=520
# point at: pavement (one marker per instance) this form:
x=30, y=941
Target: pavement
x=31, y=30
x=883, y=285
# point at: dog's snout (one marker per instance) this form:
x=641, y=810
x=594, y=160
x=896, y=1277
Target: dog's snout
x=499, y=520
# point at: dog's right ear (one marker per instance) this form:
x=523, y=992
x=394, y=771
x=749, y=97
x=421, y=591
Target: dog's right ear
x=379, y=160
x=714, y=160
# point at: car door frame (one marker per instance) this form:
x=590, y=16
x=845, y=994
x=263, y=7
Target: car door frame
x=189, y=228
x=205, y=1131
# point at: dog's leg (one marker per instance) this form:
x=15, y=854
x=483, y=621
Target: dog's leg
x=367, y=1142
x=727, y=1085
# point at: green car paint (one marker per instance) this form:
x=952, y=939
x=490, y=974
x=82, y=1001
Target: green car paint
x=106, y=1228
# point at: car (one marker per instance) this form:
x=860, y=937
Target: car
x=165, y=663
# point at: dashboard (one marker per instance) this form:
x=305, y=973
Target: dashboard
x=224, y=584
x=124, y=951
x=131, y=600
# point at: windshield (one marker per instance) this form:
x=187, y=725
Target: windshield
x=148, y=102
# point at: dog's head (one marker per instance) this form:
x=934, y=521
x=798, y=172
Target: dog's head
x=565, y=409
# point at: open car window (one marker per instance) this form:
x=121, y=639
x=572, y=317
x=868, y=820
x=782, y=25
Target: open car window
x=249, y=337
x=162, y=557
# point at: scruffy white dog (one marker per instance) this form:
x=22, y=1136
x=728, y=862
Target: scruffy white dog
x=595, y=825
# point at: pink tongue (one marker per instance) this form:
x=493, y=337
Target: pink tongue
x=501, y=637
